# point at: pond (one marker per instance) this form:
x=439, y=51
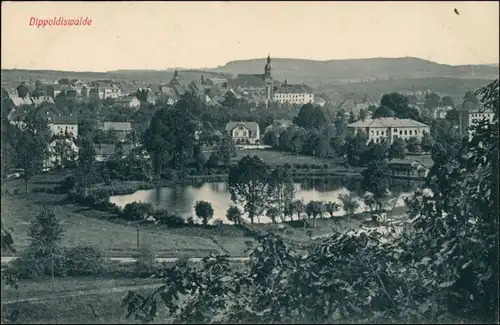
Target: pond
x=180, y=199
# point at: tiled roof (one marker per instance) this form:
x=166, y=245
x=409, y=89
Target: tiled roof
x=292, y=89
x=216, y=81
x=252, y=126
x=40, y=100
x=250, y=80
x=109, y=149
x=386, y=122
x=64, y=119
x=118, y=126
x=128, y=88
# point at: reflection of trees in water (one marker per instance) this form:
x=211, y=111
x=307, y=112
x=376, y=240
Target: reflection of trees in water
x=218, y=187
x=178, y=196
x=329, y=184
x=405, y=185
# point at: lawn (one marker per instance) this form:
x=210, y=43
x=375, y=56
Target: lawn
x=273, y=157
x=84, y=226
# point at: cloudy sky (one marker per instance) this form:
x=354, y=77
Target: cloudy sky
x=161, y=35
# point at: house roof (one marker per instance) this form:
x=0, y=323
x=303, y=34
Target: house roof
x=118, y=126
x=250, y=80
x=386, y=122
x=252, y=126
x=44, y=99
x=292, y=89
x=109, y=149
x=18, y=101
x=63, y=119
x=128, y=88
x=216, y=81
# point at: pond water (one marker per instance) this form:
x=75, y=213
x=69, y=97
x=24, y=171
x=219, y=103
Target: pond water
x=180, y=199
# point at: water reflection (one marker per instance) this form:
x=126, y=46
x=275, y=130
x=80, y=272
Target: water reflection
x=180, y=199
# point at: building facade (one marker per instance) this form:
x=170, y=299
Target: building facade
x=388, y=129
x=64, y=126
x=293, y=94
x=244, y=132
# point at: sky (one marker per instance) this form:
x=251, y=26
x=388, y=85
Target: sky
x=162, y=35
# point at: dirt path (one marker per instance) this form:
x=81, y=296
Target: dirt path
x=78, y=293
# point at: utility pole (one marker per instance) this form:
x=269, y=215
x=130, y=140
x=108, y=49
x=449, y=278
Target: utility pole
x=137, y=238
x=52, y=262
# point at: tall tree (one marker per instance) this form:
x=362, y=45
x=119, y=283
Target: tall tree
x=349, y=204
x=248, y=185
x=376, y=178
x=383, y=111
x=413, y=145
x=204, y=211
x=356, y=149
x=314, y=209
x=432, y=101
x=310, y=117
x=427, y=142
x=397, y=149
x=281, y=189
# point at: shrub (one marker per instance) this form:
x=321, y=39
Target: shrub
x=30, y=265
x=68, y=184
x=83, y=260
x=137, y=211
x=170, y=220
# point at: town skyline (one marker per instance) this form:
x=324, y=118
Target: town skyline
x=162, y=36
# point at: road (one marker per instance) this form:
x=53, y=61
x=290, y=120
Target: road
x=9, y=259
x=78, y=293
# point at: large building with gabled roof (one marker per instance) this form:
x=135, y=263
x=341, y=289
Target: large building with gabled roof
x=388, y=129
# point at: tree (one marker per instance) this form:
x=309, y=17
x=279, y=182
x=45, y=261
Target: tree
x=281, y=189
x=349, y=203
x=297, y=206
x=298, y=140
x=376, y=151
x=248, y=185
x=226, y=150
x=310, y=117
x=285, y=140
x=398, y=103
x=22, y=90
x=136, y=211
x=447, y=101
x=397, y=149
x=383, y=111
x=313, y=209
x=427, y=142
x=45, y=234
x=86, y=158
x=362, y=114
x=352, y=118
x=233, y=214
x=272, y=213
x=332, y=207
x=31, y=150
x=204, y=211
x=356, y=149
x=413, y=145
x=432, y=101
x=376, y=179
x=271, y=138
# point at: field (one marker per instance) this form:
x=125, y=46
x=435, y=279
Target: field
x=273, y=157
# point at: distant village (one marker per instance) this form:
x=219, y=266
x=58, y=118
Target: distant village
x=261, y=90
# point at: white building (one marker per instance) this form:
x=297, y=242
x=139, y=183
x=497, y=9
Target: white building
x=387, y=129
x=293, y=94
x=244, y=132
x=64, y=125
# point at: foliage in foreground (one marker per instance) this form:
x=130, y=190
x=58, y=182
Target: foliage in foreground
x=444, y=269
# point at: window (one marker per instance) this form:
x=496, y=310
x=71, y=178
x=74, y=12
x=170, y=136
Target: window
x=377, y=132
x=245, y=134
x=400, y=132
x=396, y=130
x=373, y=132
x=406, y=132
x=410, y=132
x=381, y=132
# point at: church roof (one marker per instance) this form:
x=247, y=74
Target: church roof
x=250, y=80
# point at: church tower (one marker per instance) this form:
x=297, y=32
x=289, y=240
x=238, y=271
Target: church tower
x=268, y=79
